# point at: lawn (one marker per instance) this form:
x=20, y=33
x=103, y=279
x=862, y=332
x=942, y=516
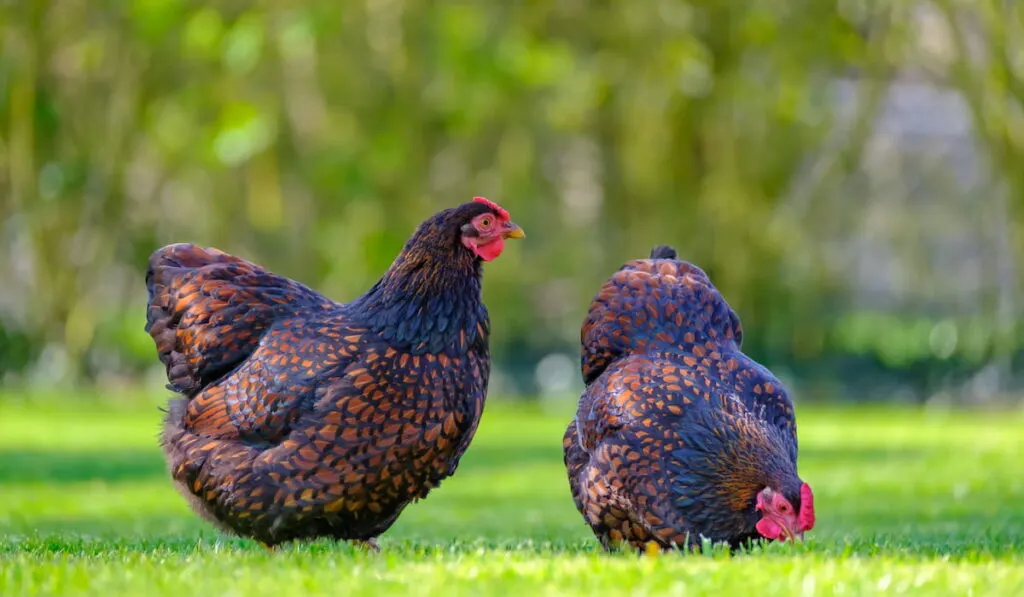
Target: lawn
x=907, y=500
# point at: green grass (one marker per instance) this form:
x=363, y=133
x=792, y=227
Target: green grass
x=907, y=502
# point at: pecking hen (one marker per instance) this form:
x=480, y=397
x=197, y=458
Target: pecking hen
x=679, y=436
x=302, y=417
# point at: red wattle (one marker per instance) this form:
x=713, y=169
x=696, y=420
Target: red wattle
x=491, y=250
x=768, y=529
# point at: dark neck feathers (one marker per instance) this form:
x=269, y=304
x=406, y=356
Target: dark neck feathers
x=429, y=300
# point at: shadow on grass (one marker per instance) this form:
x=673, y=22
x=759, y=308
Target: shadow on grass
x=34, y=466
x=20, y=466
x=492, y=456
x=28, y=466
x=861, y=457
x=105, y=527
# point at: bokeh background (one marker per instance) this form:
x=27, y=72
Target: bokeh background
x=849, y=173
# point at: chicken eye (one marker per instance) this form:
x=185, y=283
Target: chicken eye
x=485, y=222
x=784, y=508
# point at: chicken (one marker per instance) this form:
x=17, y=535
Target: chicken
x=679, y=436
x=300, y=417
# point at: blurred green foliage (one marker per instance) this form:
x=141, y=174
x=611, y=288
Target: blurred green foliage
x=313, y=138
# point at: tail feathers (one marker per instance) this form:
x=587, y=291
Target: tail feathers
x=653, y=304
x=663, y=252
x=207, y=311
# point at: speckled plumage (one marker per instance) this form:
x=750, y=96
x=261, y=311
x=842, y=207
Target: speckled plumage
x=303, y=417
x=677, y=430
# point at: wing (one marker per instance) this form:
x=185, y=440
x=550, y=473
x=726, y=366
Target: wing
x=207, y=311
x=380, y=434
x=615, y=451
x=260, y=401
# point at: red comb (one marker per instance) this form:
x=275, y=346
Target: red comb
x=806, y=516
x=494, y=206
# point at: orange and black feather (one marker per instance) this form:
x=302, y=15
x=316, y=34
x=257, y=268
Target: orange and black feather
x=304, y=417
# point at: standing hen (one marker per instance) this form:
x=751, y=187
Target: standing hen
x=303, y=417
x=679, y=435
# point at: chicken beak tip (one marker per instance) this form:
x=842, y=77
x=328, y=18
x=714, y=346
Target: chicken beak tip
x=513, y=230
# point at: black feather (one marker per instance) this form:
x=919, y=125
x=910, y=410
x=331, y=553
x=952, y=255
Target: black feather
x=663, y=252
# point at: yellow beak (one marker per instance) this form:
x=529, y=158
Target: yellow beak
x=512, y=230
